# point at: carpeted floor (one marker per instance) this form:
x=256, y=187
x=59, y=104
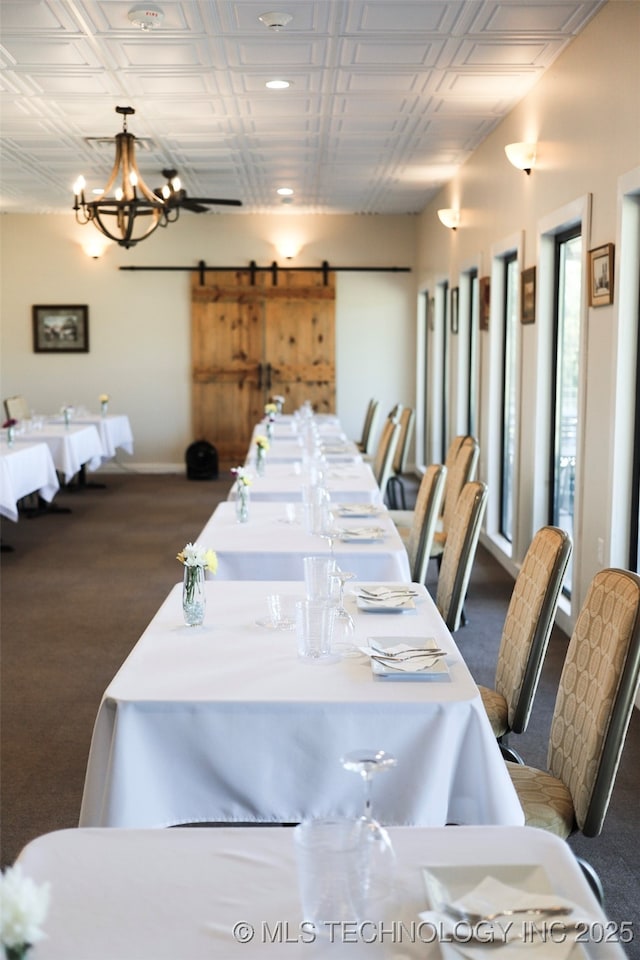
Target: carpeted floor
x=79, y=589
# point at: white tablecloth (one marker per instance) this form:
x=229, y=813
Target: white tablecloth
x=345, y=482
x=226, y=723
x=286, y=446
x=71, y=447
x=268, y=548
x=181, y=894
x=25, y=468
x=114, y=431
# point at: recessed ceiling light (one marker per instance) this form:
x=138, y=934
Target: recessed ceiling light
x=277, y=84
x=284, y=191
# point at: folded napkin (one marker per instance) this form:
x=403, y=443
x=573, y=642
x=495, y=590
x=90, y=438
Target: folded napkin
x=531, y=936
x=357, y=510
x=362, y=533
x=395, y=664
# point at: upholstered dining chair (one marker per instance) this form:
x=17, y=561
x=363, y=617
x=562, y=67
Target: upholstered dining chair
x=525, y=635
x=596, y=693
x=461, y=472
x=365, y=444
x=382, y=465
x=396, y=484
x=17, y=408
x=420, y=537
x=459, y=553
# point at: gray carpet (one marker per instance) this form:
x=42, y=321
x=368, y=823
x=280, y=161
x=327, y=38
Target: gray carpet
x=79, y=589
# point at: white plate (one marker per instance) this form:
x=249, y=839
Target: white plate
x=437, y=670
x=446, y=883
x=357, y=510
x=362, y=535
x=392, y=604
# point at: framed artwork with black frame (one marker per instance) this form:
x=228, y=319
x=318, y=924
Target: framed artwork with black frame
x=528, y=295
x=60, y=329
x=601, y=275
x=454, y=309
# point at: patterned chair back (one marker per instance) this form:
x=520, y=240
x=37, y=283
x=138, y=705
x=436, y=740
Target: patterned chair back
x=368, y=429
x=460, y=473
x=425, y=516
x=459, y=552
x=596, y=693
x=527, y=626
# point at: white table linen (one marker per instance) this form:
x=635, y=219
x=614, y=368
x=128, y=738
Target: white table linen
x=345, y=482
x=25, y=468
x=286, y=445
x=226, y=723
x=268, y=548
x=173, y=894
x=114, y=431
x=71, y=447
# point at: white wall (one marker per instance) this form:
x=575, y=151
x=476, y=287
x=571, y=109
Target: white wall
x=583, y=114
x=139, y=322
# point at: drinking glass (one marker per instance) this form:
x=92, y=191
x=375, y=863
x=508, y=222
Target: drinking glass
x=343, y=623
x=378, y=863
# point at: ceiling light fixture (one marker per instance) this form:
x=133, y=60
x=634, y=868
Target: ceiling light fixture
x=277, y=84
x=146, y=16
x=275, y=19
x=522, y=155
x=134, y=211
x=284, y=192
x=449, y=217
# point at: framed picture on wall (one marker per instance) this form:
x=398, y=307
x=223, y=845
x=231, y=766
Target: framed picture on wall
x=528, y=296
x=454, y=309
x=485, y=301
x=601, y=276
x=60, y=329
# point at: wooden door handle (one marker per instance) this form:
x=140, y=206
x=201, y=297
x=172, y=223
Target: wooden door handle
x=268, y=383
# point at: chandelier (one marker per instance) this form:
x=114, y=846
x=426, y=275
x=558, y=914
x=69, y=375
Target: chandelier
x=134, y=211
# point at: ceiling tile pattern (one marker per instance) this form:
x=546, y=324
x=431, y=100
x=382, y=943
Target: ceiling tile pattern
x=387, y=97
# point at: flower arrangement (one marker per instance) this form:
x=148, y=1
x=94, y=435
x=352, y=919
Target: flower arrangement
x=11, y=422
x=196, y=560
x=242, y=476
x=23, y=908
x=270, y=409
x=104, y=398
x=193, y=555
x=262, y=444
x=279, y=402
x=67, y=413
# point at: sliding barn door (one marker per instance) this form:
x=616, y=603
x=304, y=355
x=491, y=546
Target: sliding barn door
x=251, y=341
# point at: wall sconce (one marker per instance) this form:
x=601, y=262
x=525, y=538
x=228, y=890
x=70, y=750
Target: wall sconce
x=522, y=155
x=94, y=247
x=288, y=248
x=449, y=217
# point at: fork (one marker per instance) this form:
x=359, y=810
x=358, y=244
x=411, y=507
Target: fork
x=402, y=658
x=468, y=916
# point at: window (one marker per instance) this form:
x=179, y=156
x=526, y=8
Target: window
x=634, y=551
x=472, y=320
x=509, y=395
x=443, y=292
x=564, y=397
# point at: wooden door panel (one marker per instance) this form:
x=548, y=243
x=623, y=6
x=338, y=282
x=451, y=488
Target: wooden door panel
x=251, y=341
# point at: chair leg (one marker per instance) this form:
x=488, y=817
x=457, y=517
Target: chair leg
x=509, y=753
x=593, y=879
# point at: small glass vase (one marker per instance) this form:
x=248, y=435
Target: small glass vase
x=269, y=429
x=261, y=461
x=242, y=503
x=193, y=598
x=18, y=952
x=11, y=434
x=104, y=407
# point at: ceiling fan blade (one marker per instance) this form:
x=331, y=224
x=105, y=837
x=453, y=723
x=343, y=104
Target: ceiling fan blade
x=216, y=202
x=192, y=205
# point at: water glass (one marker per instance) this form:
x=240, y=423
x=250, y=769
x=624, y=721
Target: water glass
x=319, y=577
x=314, y=629
x=281, y=610
x=328, y=855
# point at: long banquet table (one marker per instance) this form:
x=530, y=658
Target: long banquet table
x=226, y=723
x=345, y=483
x=25, y=468
x=269, y=548
x=227, y=892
